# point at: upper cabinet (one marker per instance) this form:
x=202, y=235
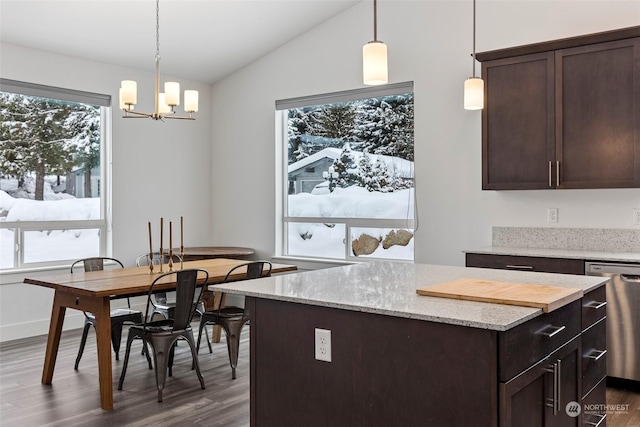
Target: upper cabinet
x=563, y=114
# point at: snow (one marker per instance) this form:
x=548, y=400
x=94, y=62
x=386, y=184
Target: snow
x=327, y=239
x=47, y=245
x=323, y=240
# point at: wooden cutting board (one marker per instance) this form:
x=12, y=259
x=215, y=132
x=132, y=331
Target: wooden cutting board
x=548, y=298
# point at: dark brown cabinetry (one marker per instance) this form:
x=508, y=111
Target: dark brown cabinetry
x=526, y=263
x=563, y=114
x=524, y=398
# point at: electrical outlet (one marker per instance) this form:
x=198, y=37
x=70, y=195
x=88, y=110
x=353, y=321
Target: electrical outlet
x=635, y=220
x=552, y=215
x=323, y=345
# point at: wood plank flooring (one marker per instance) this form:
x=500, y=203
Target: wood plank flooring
x=73, y=399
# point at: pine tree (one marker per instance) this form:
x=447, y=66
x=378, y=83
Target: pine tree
x=346, y=167
x=36, y=136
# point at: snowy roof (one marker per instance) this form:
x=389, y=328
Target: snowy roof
x=402, y=167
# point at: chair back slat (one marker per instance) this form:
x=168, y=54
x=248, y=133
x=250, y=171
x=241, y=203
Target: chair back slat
x=188, y=294
x=254, y=270
x=95, y=263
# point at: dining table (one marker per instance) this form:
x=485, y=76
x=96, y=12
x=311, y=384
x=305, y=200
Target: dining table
x=92, y=292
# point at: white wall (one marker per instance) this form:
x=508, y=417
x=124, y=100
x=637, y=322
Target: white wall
x=192, y=168
x=429, y=42
x=158, y=169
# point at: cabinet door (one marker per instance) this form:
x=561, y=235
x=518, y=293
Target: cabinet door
x=598, y=110
x=518, y=122
x=539, y=395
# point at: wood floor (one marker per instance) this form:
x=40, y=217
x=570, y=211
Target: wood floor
x=73, y=399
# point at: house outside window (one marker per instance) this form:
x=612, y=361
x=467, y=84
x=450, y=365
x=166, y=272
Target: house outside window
x=53, y=152
x=348, y=174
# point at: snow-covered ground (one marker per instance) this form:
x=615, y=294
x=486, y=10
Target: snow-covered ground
x=48, y=245
x=326, y=240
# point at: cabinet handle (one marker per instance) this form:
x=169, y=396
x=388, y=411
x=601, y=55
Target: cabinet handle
x=557, y=173
x=597, y=424
x=595, y=304
x=550, y=184
x=557, y=385
x=519, y=267
x=599, y=356
x=554, y=402
x=556, y=331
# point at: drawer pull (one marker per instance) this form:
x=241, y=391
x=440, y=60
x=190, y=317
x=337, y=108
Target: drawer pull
x=595, y=304
x=556, y=331
x=554, y=401
x=602, y=418
x=599, y=356
x=519, y=267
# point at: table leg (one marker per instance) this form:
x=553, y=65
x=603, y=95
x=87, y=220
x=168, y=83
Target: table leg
x=53, y=340
x=103, y=338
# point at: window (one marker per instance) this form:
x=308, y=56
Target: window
x=348, y=174
x=53, y=151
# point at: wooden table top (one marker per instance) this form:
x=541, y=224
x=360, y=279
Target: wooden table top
x=215, y=251
x=134, y=280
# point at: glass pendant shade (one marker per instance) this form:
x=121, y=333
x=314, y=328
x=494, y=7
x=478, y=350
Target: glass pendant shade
x=474, y=93
x=191, y=101
x=374, y=63
x=128, y=92
x=172, y=93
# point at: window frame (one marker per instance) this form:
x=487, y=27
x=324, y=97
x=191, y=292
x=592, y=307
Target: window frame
x=103, y=224
x=282, y=185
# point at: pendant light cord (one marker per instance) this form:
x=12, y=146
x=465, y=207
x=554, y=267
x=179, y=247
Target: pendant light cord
x=375, y=20
x=473, y=57
x=157, y=30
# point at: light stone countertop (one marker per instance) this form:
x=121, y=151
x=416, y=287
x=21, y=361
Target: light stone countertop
x=633, y=257
x=389, y=288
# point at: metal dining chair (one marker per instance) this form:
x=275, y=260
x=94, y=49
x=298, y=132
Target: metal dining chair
x=119, y=316
x=163, y=334
x=161, y=303
x=232, y=319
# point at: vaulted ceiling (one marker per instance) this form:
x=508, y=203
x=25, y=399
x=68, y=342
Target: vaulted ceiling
x=202, y=40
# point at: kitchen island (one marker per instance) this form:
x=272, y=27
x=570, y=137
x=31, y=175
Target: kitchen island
x=399, y=358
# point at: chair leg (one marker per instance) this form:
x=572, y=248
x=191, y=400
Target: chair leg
x=145, y=351
x=83, y=341
x=116, y=337
x=132, y=335
x=232, y=329
x=163, y=346
x=189, y=337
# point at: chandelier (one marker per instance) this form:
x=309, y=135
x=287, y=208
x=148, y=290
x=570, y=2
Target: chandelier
x=166, y=102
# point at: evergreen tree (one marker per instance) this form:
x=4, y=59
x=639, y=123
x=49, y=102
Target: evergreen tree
x=333, y=121
x=36, y=138
x=346, y=167
x=297, y=125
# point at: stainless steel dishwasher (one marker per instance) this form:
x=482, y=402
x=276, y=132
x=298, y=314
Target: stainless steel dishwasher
x=623, y=317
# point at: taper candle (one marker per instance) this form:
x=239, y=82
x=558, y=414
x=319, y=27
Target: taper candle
x=170, y=239
x=181, y=233
x=150, y=244
x=161, y=226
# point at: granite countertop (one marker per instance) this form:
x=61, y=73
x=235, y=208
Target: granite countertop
x=389, y=288
x=587, y=255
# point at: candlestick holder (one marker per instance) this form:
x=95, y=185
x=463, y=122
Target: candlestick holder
x=150, y=262
x=181, y=257
x=161, y=257
x=170, y=260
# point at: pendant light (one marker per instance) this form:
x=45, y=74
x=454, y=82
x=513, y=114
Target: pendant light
x=474, y=86
x=374, y=56
x=164, y=102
